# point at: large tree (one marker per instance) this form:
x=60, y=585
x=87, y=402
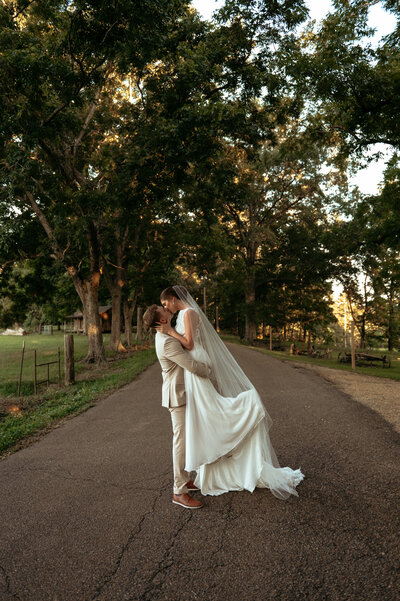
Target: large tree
x=377, y=223
x=61, y=68
x=264, y=190
x=354, y=84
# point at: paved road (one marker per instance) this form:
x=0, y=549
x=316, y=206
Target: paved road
x=86, y=512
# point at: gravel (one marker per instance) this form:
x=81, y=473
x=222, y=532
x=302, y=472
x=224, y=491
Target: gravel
x=379, y=394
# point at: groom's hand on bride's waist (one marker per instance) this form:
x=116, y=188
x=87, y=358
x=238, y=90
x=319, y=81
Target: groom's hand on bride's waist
x=212, y=378
x=210, y=373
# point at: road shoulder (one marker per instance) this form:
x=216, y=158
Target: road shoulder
x=380, y=394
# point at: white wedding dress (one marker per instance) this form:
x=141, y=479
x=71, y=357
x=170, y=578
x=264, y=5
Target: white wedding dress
x=227, y=440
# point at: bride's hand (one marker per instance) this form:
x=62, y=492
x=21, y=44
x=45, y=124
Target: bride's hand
x=164, y=328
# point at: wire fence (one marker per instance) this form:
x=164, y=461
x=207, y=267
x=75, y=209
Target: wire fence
x=27, y=370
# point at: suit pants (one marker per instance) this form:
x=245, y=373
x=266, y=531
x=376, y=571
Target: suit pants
x=181, y=476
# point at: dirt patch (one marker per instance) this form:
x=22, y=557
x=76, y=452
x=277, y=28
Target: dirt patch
x=380, y=394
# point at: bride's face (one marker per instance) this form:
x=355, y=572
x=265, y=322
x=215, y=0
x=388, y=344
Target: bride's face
x=170, y=304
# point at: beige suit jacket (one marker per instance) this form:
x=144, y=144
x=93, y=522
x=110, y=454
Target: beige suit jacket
x=173, y=360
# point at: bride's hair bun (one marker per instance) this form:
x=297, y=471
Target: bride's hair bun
x=179, y=292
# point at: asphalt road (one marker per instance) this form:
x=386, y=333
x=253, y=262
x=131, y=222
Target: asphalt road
x=86, y=512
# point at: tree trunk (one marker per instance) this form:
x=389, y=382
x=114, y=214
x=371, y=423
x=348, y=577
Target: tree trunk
x=96, y=353
x=391, y=318
x=128, y=314
x=114, y=285
x=363, y=334
x=69, y=366
x=115, y=338
x=299, y=336
x=139, y=325
x=85, y=320
x=86, y=289
x=250, y=332
x=390, y=328
x=115, y=280
x=217, y=319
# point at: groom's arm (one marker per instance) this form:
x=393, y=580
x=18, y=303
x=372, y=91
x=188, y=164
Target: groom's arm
x=174, y=352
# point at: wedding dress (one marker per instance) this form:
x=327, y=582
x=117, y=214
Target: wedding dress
x=227, y=439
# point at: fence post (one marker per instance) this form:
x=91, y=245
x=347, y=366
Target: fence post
x=69, y=367
x=34, y=375
x=270, y=338
x=59, y=366
x=20, y=371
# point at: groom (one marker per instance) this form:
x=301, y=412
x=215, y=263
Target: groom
x=174, y=359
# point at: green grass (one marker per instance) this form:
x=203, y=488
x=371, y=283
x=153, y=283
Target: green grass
x=46, y=349
x=39, y=413
x=381, y=372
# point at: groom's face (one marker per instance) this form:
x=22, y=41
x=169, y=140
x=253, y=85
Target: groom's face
x=165, y=316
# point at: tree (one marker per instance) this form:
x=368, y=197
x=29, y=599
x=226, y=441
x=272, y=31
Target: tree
x=267, y=189
x=59, y=70
x=355, y=86
x=378, y=219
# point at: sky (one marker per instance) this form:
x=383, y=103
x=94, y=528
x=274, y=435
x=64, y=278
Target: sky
x=367, y=179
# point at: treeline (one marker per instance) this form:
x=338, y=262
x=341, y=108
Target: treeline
x=142, y=145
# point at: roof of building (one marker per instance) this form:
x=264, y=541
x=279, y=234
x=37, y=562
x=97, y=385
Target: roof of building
x=102, y=309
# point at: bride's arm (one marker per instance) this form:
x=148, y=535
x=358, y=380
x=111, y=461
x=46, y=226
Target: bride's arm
x=186, y=340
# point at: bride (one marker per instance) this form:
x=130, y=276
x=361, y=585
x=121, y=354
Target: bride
x=227, y=440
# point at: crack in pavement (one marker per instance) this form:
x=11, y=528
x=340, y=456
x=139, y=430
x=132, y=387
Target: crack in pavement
x=167, y=560
x=131, y=538
x=228, y=518
x=8, y=584
x=164, y=565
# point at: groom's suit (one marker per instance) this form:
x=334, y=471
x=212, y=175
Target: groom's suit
x=174, y=360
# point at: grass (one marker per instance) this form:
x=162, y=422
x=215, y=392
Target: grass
x=46, y=348
x=34, y=415
x=381, y=372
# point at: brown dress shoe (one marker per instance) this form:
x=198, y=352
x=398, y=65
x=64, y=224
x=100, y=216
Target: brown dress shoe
x=191, y=486
x=187, y=501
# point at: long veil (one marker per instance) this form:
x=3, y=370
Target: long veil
x=214, y=446
x=228, y=375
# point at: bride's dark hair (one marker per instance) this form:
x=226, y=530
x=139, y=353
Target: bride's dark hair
x=178, y=292
x=168, y=293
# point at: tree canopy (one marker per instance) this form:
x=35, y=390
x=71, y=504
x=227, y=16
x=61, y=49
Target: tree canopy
x=142, y=145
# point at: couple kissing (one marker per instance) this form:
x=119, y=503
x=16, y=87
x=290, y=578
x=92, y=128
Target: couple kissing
x=220, y=425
